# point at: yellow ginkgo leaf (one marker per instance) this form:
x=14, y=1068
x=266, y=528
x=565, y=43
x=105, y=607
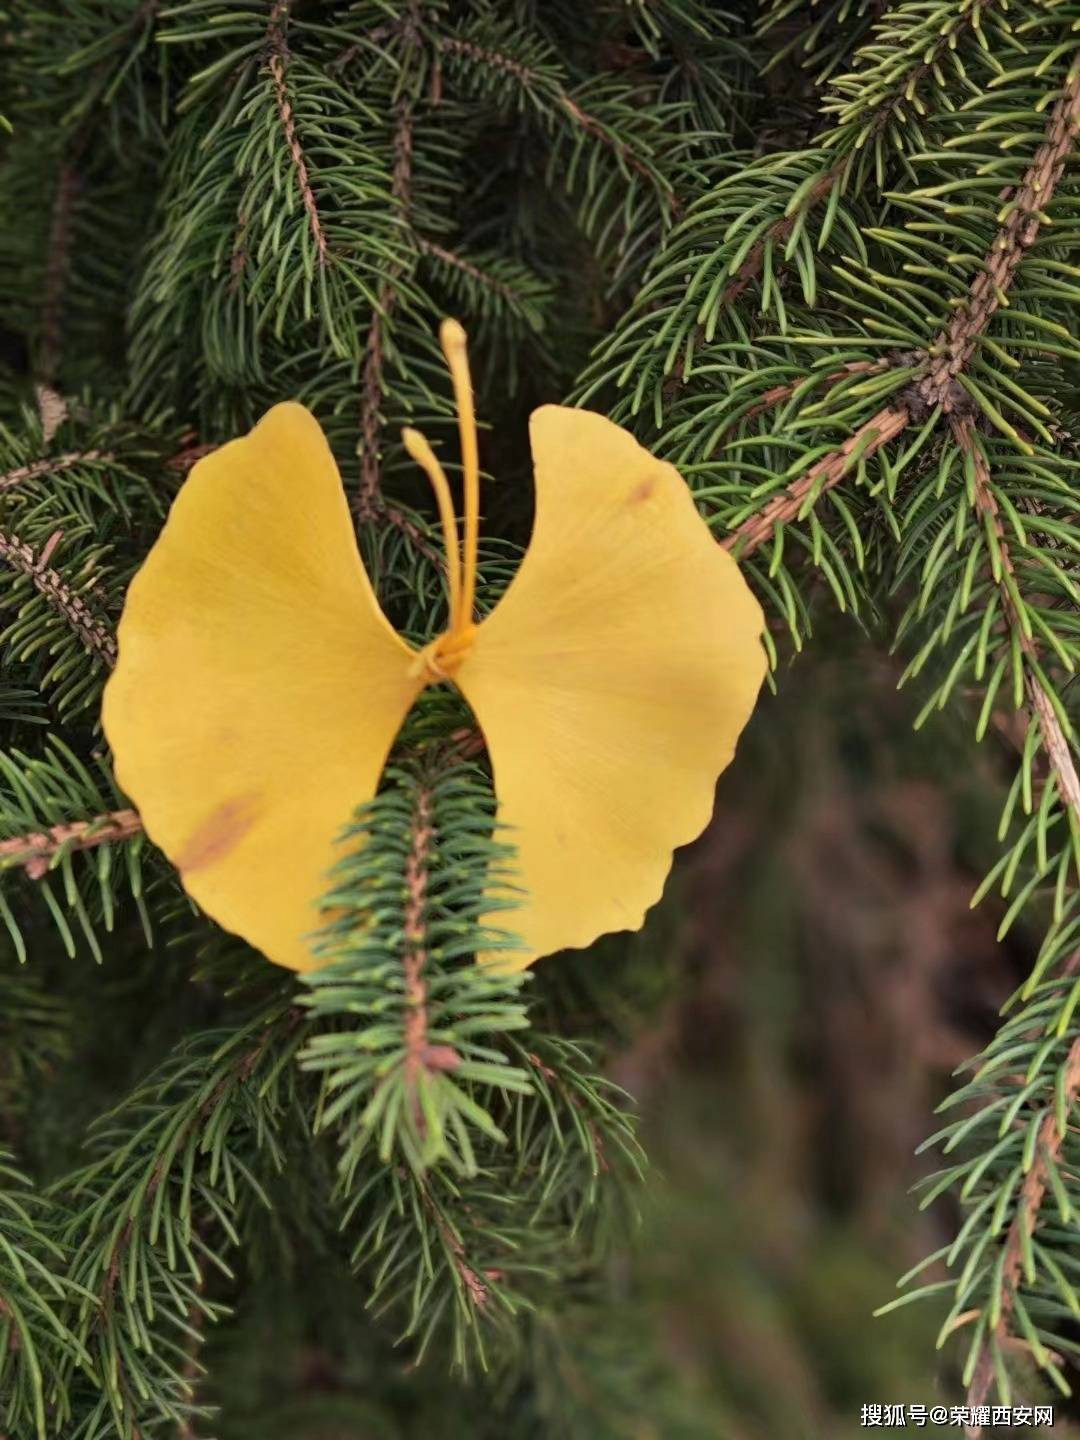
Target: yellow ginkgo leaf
x=259, y=687
x=611, y=681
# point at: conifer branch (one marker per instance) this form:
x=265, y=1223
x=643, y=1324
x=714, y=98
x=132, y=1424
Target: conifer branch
x=1054, y=738
x=565, y=1151
x=34, y=852
x=392, y=515
x=278, y=64
x=553, y=1077
x=176, y=1163
x=474, y=272
x=789, y=505
x=779, y=393
x=884, y=102
x=35, y=1294
x=1023, y=533
x=91, y=630
x=1033, y=1191
x=543, y=87
x=955, y=346
x=279, y=254
x=44, y=804
x=56, y=466
x=775, y=237
x=419, y=1055
x=370, y=502
x=779, y=232
x=592, y=126
x=401, y=928
x=905, y=48
x=494, y=59
x=473, y=1285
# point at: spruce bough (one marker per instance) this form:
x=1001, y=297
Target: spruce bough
x=856, y=343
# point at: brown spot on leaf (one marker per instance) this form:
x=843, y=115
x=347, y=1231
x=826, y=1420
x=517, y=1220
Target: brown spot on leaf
x=641, y=492
x=220, y=832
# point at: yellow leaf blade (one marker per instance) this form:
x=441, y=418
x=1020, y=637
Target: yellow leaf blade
x=611, y=682
x=259, y=687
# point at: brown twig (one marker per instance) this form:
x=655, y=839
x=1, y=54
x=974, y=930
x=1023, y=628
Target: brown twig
x=457, y=262
x=34, y=852
x=593, y=127
x=780, y=231
x=494, y=59
x=470, y=1277
x=191, y=454
x=239, y=258
x=391, y=515
x=90, y=628
x=415, y=956
x=556, y=1079
x=420, y=1056
x=189, y=1375
x=50, y=467
x=370, y=504
x=278, y=64
x=829, y=471
x=1054, y=738
x=525, y=76
x=956, y=344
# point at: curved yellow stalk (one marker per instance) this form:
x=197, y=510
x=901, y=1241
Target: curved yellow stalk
x=454, y=347
x=422, y=453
